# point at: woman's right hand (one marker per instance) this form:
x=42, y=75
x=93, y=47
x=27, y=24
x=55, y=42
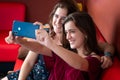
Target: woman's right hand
x=10, y=38
x=14, y=39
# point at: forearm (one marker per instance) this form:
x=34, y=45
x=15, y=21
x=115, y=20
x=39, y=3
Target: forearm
x=24, y=72
x=30, y=45
x=27, y=65
x=107, y=48
x=73, y=59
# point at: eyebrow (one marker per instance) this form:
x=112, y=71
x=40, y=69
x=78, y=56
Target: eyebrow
x=71, y=29
x=58, y=15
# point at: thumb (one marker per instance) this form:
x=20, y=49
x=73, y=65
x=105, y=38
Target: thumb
x=10, y=34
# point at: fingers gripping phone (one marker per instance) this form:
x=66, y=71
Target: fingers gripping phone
x=25, y=29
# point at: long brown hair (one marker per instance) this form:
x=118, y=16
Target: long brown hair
x=71, y=7
x=86, y=25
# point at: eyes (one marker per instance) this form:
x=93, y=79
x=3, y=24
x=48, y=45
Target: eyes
x=60, y=18
x=70, y=31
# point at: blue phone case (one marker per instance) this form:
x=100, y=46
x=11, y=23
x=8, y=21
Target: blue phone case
x=24, y=29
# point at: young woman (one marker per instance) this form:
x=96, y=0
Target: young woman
x=82, y=62
x=57, y=16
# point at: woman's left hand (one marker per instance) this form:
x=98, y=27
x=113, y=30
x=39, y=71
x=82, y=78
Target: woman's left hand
x=42, y=37
x=106, y=62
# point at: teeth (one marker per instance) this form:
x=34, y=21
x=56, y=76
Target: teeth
x=71, y=42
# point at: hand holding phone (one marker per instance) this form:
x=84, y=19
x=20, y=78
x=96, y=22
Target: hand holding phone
x=25, y=29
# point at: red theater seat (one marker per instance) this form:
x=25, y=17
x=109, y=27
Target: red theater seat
x=9, y=11
x=112, y=73
x=18, y=64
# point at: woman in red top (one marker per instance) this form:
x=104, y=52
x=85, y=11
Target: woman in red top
x=82, y=62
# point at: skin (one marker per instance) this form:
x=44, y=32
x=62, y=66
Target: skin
x=106, y=60
x=58, y=18
x=73, y=33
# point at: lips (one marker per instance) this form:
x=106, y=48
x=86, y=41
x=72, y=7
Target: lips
x=71, y=41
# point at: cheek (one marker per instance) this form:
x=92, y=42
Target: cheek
x=80, y=41
x=54, y=19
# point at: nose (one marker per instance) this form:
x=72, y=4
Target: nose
x=68, y=36
x=58, y=21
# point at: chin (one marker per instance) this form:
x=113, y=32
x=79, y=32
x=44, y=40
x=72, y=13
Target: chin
x=58, y=31
x=72, y=47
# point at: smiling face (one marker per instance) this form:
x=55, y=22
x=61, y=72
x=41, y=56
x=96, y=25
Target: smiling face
x=74, y=35
x=58, y=18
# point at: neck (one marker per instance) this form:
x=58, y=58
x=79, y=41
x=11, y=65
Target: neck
x=82, y=52
x=57, y=38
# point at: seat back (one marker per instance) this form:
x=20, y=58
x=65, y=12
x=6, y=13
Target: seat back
x=9, y=12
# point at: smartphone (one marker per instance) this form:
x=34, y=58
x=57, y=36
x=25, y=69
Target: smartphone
x=25, y=29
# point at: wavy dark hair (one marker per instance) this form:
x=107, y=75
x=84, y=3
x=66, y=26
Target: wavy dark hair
x=71, y=7
x=85, y=24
